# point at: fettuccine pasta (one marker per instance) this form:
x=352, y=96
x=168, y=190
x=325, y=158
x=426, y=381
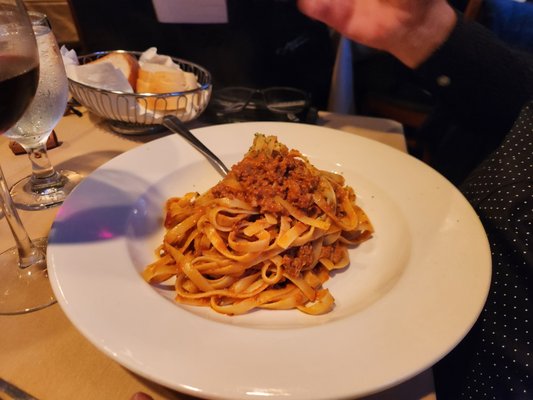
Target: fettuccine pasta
x=266, y=236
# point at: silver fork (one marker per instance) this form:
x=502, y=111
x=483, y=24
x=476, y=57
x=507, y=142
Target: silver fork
x=175, y=125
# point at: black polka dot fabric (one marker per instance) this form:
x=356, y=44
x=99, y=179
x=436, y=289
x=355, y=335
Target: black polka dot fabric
x=495, y=360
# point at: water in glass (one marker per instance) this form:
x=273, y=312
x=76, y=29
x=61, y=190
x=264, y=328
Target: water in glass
x=49, y=102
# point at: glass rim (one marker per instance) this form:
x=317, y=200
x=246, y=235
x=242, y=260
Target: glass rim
x=38, y=18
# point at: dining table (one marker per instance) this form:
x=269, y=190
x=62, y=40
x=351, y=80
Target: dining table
x=42, y=352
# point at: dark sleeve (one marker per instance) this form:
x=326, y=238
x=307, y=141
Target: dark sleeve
x=481, y=81
x=500, y=190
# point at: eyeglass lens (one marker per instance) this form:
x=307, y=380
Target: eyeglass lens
x=231, y=100
x=276, y=99
x=285, y=100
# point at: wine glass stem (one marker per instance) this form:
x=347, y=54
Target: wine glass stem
x=29, y=254
x=43, y=174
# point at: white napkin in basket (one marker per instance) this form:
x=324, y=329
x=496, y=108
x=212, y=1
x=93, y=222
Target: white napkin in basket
x=100, y=75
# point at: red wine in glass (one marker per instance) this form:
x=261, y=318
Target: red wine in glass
x=16, y=88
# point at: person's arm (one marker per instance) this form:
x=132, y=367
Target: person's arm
x=477, y=77
x=410, y=30
x=481, y=81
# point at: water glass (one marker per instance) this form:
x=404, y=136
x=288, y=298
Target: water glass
x=45, y=187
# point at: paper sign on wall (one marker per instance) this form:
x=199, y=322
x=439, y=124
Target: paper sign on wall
x=191, y=11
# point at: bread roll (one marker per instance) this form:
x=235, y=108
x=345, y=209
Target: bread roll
x=156, y=78
x=125, y=62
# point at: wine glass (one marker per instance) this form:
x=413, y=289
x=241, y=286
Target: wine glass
x=45, y=187
x=24, y=284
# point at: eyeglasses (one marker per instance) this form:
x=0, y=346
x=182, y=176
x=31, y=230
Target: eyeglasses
x=285, y=102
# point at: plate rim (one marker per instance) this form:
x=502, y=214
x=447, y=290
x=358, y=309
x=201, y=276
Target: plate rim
x=203, y=133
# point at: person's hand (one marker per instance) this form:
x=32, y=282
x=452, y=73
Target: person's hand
x=409, y=29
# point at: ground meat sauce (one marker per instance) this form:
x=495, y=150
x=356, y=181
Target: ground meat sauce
x=297, y=259
x=263, y=177
x=334, y=252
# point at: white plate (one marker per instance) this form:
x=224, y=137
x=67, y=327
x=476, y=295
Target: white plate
x=409, y=296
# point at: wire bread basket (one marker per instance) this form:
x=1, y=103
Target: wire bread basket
x=139, y=113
